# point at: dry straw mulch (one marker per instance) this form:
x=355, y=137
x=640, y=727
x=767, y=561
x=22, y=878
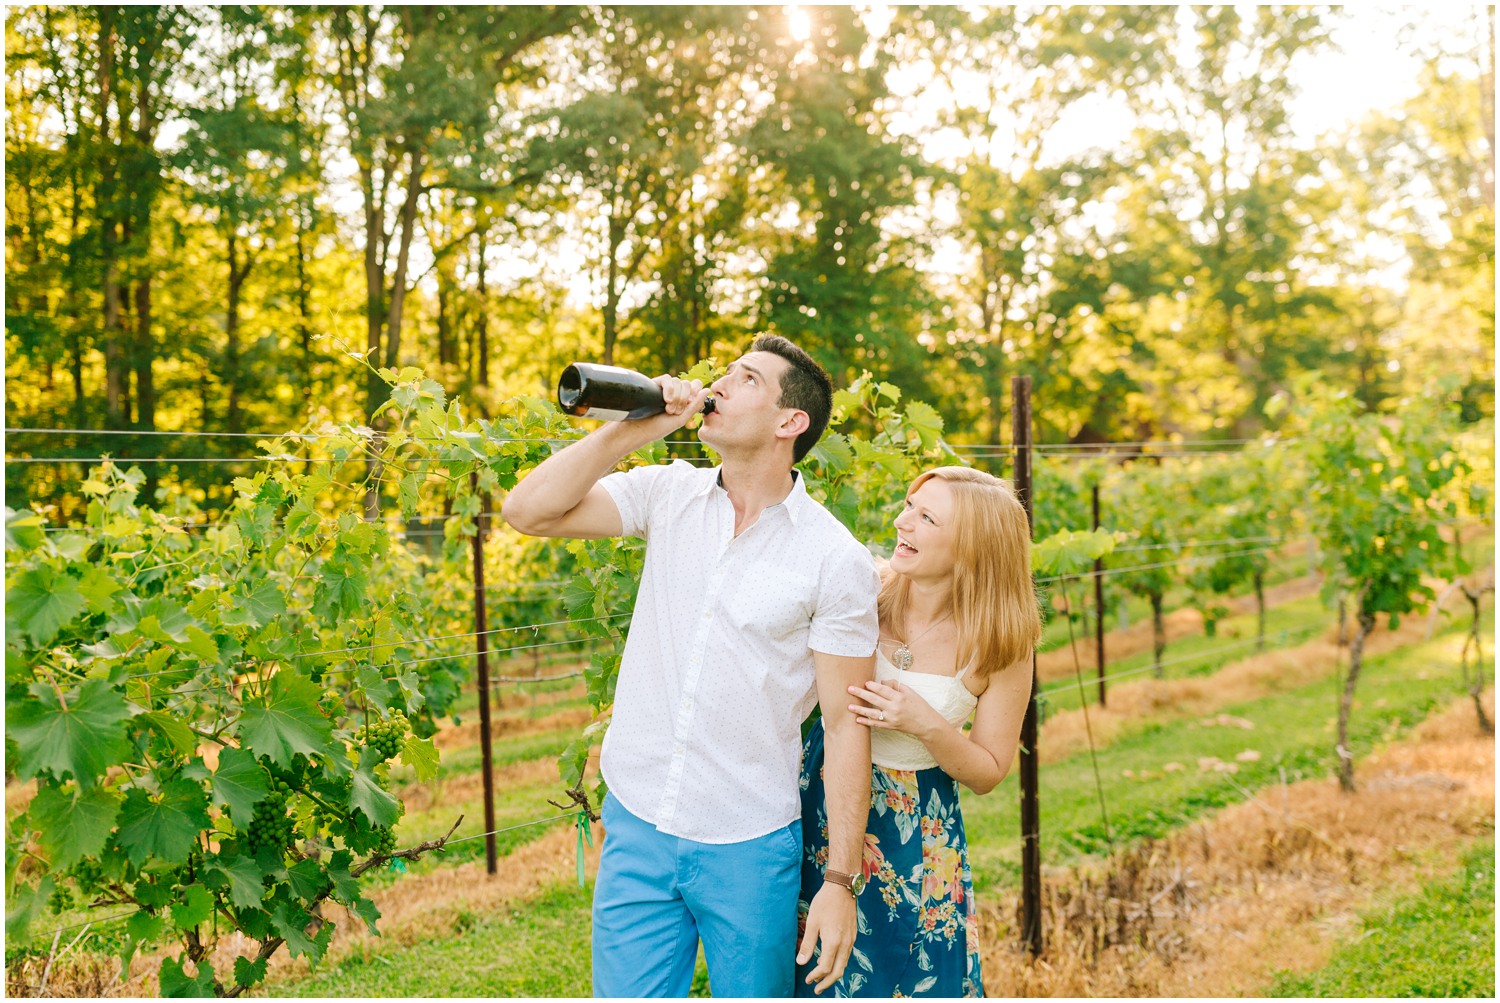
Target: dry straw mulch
x=1272, y=883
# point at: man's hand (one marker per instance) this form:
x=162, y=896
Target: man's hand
x=683, y=398
x=831, y=921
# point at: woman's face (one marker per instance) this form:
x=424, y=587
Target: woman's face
x=924, y=532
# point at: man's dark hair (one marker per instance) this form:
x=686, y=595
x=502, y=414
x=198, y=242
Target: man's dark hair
x=805, y=386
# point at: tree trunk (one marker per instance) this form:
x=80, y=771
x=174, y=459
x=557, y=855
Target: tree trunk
x=1260, y=608
x=1365, y=624
x=144, y=357
x=1476, y=685
x=1159, y=633
x=232, y=333
x=403, y=256
x=612, y=293
x=444, y=320
x=481, y=355
x=106, y=205
x=304, y=306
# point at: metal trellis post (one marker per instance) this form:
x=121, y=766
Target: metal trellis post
x=487, y=760
x=1031, y=850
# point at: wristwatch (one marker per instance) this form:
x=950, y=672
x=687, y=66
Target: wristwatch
x=854, y=882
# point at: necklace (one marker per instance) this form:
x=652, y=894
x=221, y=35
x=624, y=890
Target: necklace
x=901, y=657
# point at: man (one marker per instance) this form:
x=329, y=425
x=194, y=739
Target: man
x=754, y=601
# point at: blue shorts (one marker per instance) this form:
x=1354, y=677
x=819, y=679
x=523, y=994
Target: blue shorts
x=658, y=894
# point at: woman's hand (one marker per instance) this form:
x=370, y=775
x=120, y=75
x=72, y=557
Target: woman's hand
x=894, y=707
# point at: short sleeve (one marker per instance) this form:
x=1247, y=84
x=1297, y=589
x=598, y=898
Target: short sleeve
x=846, y=622
x=640, y=492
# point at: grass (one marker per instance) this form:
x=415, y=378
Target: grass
x=538, y=949
x=1438, y=943
x=1293, y=736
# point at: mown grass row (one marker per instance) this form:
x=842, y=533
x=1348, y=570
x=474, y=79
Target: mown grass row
x=1437, y=943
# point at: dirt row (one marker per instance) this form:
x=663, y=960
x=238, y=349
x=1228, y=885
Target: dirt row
x=1274, y=883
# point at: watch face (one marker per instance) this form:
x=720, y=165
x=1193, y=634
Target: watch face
x=857, y=885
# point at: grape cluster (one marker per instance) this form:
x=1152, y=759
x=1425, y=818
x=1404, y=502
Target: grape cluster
x=384, y=737
x=385, y=840
x=272, y=826
x=61, y=899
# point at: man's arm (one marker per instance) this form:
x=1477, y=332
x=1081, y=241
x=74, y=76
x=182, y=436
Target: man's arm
x=562, y=495
x=846, y=782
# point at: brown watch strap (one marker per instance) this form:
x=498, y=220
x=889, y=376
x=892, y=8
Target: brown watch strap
x=839, y=878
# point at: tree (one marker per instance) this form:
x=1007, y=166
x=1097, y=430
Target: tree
x=1377, y=504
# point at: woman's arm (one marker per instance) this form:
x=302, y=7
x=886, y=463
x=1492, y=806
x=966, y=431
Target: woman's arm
x=978, y=760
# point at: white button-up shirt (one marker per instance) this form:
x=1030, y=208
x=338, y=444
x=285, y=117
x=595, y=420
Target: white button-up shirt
x=718, y=673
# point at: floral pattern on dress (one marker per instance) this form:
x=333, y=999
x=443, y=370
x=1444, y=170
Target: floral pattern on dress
x=917, y=927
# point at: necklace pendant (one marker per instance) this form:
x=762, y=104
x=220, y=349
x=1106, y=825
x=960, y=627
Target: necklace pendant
x=901, y=658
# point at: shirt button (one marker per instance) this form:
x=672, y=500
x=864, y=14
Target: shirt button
x=679, y=748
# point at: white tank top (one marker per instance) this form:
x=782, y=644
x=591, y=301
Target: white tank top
x=896, y=750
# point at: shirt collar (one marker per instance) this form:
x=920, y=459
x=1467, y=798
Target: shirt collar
x=795, y=503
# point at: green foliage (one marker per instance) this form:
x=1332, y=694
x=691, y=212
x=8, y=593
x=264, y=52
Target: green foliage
x=1378, y=500
x=203, y=711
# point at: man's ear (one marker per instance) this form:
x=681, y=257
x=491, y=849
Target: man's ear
x=793, y=425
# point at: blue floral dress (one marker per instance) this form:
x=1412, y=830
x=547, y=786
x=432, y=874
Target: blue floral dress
x=918, y=932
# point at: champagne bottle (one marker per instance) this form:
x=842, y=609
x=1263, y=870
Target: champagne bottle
x=609, y=393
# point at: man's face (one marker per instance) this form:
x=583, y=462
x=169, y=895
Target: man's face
x=746, y=408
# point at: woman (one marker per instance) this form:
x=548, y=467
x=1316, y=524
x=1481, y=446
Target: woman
x=958, y=622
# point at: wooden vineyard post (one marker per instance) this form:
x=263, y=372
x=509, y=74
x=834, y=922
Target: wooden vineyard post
x=482, y=635
x=1098, y=605
x=1031, y=851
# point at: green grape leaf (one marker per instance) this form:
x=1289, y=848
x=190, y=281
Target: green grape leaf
x=247, y=973
x=306, y=878
x=345, y=885
x=1070, y=552
x=578, y=596
x=367, y=911
x=409, y=493
x=83, y=737
x=191, y=906
x=286, y=720
x=165, y=621
x=99, y=589
x=179, y=735
x=23, y=904
x=177, y=984
x=23, y=530
x=239, y=784
x=927, y=422
x=165, y=825
x=833, y=452
x=41, y=600
x=341, y=590
x=242, y=875
x=74, y=823
x=366, y=794
x=141, y=928
x=261, y=604
x=200, y=644
x=434, y=390
x=422, y=756
x=290, y=921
